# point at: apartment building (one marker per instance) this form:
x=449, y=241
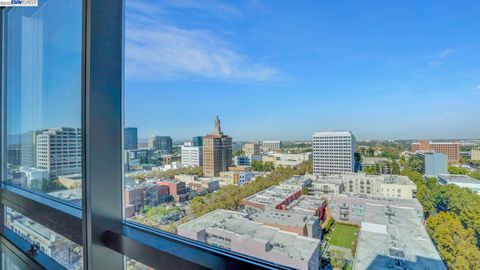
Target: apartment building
x=392, y=236
x=177, y=189
x=301, y=223
x=393, y=186
x=327, y=185
x=450, y=149
x=333, y=152
x=233, y=231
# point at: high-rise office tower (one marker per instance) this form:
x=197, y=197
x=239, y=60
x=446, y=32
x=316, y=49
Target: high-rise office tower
x=59, y=151
x=162, y=143
x=217, y=151
x=131, y=138
x=197, y=141
x=333, y=152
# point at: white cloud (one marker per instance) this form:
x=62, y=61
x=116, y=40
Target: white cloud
x=217, y=7
x=157, y=50
x=439, y=59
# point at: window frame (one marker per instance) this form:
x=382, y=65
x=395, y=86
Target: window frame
x=99, y=226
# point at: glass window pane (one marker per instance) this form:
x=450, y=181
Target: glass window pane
x=191, y=158
x=10, y=261
x=43, y=86
x=59, y=248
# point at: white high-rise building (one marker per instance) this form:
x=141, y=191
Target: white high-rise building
x=191, y=155
x=333, y=152
x=59, y=151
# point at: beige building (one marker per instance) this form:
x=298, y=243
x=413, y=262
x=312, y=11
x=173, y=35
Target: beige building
x=252, y=149
x=475, y=154
x=393, y=186
x=217, y=152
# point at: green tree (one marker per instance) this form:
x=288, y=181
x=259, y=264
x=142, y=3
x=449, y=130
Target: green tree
x=261, y=166
x=457, y=170
x=475, y=174
x=455, y=244
x=371, y=170
x=395, y=166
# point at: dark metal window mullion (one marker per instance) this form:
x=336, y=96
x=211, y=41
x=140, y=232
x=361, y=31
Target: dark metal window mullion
x=102, y=78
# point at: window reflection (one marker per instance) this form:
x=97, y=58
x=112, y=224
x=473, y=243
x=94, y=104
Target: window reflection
x=59, y=248
x=43, y=83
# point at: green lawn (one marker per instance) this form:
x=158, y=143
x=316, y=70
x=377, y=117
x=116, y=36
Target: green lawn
x=343, y=235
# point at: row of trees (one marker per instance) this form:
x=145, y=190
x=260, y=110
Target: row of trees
x=230, y=197
x=171, y=173
x=377, y=168
x=459, y=170
x=453, y=219
x=260, y=166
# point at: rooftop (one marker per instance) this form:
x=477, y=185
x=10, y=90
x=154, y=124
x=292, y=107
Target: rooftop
x=72, y=195
x=380, y=200
x=458, y=178
x=394, y=237
x=396, y=179
x=299, y=180
x=306, y=204
x=332, y=133
x=279, y=242
x=286, y=218
x=274, y=195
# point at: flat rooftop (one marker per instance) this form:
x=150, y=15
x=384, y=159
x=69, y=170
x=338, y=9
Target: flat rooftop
x=332, y=133
x=282, y=217
x=396, y=179
x=299, y=180
x=273, y=195
x=458, y=178
x=380, y=200
x=306, y=203
x=281, y=242
x=393, y=237
x=328, y=179
x=73, y=195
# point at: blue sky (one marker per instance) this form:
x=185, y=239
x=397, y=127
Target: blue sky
x=270, y=69
x=284, y=69
x=44, y=66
